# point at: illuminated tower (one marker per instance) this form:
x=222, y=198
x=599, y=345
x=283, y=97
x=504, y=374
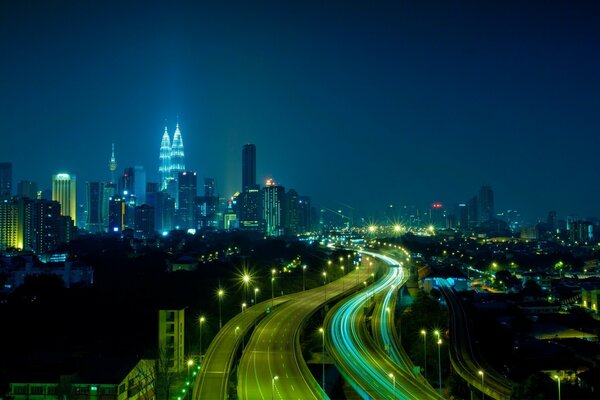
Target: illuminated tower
x=64, y=191
x=165, y=160
x=112, y=165
x=177, y=155
x=273, y=202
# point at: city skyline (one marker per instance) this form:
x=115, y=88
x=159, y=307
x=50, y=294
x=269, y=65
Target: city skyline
x=365, y=106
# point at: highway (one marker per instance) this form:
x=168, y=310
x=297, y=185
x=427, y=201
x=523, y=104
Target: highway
x=363, y=362
x=213, y=381
x=465, y=356
x=274, y=349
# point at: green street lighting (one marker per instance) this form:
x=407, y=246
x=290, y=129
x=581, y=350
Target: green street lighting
x=304, y=277
x=323, y=356
x=246, y=281
x=325, y=283
x=220, y=293
x=424, y=333
x=202, y=319
x=558, y=382
x=273, y=272
x=190, y=362
x=480, y=372
x=342, y=268
x=256, y=290
x=243, y=307
x=439, y=343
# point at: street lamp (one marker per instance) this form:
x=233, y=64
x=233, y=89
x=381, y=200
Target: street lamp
x=439, y=343
x=325, y=283
x=256, y=290
x=273, y=271
x=558, y=382
x=424, y=333
x=243, y=307
x=304, y=277
x=393, y=382
x=323, y=356
x=342, y=268
x=190, y=362
x=273, y=379
x=357, y=274
x=246, y=279
x=480, y=372
x=220, y=293
x=202, y=319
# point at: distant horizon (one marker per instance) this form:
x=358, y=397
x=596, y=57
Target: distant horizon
x=362, y=104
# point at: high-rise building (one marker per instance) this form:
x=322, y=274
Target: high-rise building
x=209, y=187
x=126, y=182
x=485, y=204
x=94, y=198
x=304, y=214
x=27, y=189
x=552, y=225
x=139, y=184
x=9, y=224
x=5, y=179
x=292, y=217
x=110, y=190
x=112, y=164
x=165, y=159
x=46, y=227
x=187, y=181
x=250, y=209
x=116, y=214
x=64, y=190
x=463, y=216
x=273, y=199
x=144, y=222
x=177, y=154
x=171, y=328
x=248, y=166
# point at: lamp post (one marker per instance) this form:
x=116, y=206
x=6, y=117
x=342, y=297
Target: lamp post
x=480, y=372
x=190, y=362
x=357, y=274
x=246, y=279
x=243, y=307
x=393, y=383
x=439, y=343
x=202, y=319
x=325, y=283
x=323, y=357
x=342, y=268
x=256, y=290
x=273, y=379
x=272, y=282
x=220, y=293
x=424, y=333
x=558, y=382
x=304, y=277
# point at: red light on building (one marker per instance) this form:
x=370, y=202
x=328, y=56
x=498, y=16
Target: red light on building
x=437, y=205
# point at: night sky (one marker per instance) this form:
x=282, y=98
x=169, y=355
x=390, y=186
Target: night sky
x=362, y=104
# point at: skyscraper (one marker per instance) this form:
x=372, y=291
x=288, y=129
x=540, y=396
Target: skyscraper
x=188, y=183
x=94, y=199
x=5, y=179
x=64, y=190
x=248, y=166
x=139, y=184
x=27, y=189
x=273, y=214
x=165, y=160
x=177, y=154
x=485, y=204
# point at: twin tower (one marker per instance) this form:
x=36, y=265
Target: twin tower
x=171, y=157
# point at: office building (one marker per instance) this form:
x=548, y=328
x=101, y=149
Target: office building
x=110, y=190
x=27, y=189
x=248, y=166
x=116, y=214
x=9, y=225
x=144, y=222
x=94, y=198
x=187, y=183
x=5, y=179
x=46, y=228
x=139, y=184
x=273, y=198
x=485, y=204
x=64, y=190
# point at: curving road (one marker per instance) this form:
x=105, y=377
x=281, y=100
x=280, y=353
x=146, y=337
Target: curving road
x=464, y=356
x=363, y=362
x=274, y=349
